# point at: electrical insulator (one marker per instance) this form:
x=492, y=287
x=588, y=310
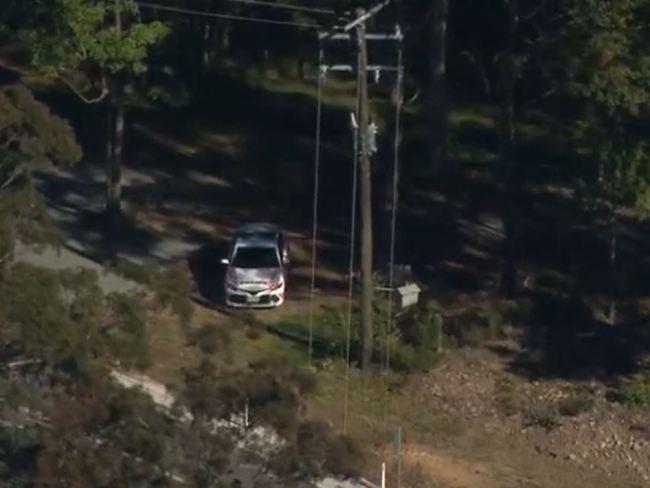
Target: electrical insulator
x=372, y=137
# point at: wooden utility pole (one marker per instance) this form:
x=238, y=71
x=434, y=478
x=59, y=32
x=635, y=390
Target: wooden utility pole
x=365, y=149
x=367, y=285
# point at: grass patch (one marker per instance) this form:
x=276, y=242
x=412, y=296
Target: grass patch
x=576, y=404
x=509, y=400
x=412, y=345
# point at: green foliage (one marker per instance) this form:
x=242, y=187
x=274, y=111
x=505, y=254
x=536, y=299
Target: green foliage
x=635, y=391
x=273, y=390
x=173, y=289
x=212, y=339
x=63, y=317
x=408, y=358
x=30, y=130
x=29, y=134
x=128, y=427
x=126, y=330
x=40, y=311
x=608, y=59
x=171, y=285
x=544, y=416
x=18, y=448
x=316, y=450
x=609, y=67
x=143, y=273
x=508, y=398
x=576, y=404
x=478, y=324
x=73, y=33
x=412, y=344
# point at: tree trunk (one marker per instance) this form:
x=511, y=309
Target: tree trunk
x=114, y=150
x=114, y=145
x=511, y=185
x=225, y=38
x=438, y=88
x=207, y=40
x=613, y=266
x=302, y=72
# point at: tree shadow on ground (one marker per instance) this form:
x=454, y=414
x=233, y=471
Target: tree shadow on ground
x=565, y=340
x=237, y=153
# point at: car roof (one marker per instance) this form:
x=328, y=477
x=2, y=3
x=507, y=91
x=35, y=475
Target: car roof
x=258, y=228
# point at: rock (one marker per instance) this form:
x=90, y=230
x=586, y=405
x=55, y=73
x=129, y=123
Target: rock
x=572, y=457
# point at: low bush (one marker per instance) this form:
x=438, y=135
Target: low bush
x=576, y=404
x=211, y=339
x=174, y=290
x=508, y=399
x=171, y=286
x=544, y=416
x=405, y=358
x=143, y=272
x=635, y=391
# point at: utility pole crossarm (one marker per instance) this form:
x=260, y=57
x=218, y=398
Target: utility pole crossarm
x=343, y=36
x=365, y=16
x=349, y=68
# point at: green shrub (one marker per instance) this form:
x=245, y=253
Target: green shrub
x=253, y=333
x=171, y=286
x=635, y=391
x=173, y=289
x=543, y=416
x=211, y=339
x=421, y=328
x=508, y=398
x=126, y=332
x=553, y=280
x=405, y=357
x=64, y=318
x=144, y=273
x=576, y=404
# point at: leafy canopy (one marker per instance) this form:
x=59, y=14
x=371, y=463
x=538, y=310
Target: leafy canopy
x=93, y=40
x=609, y=67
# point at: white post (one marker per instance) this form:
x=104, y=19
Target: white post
x=383, y=475
x=246, y=415
x=399, y=457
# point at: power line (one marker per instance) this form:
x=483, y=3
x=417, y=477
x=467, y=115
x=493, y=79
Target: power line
x=287, y=6
x=353, y=226
x=366, y=15
x=198, y=13
x=319, y=111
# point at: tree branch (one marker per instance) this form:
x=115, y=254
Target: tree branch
x=8, y=142
x=104, y=93
x=480, y=67
x=17, y=172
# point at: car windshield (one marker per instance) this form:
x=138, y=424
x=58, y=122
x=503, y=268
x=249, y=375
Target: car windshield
x=256, y=257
